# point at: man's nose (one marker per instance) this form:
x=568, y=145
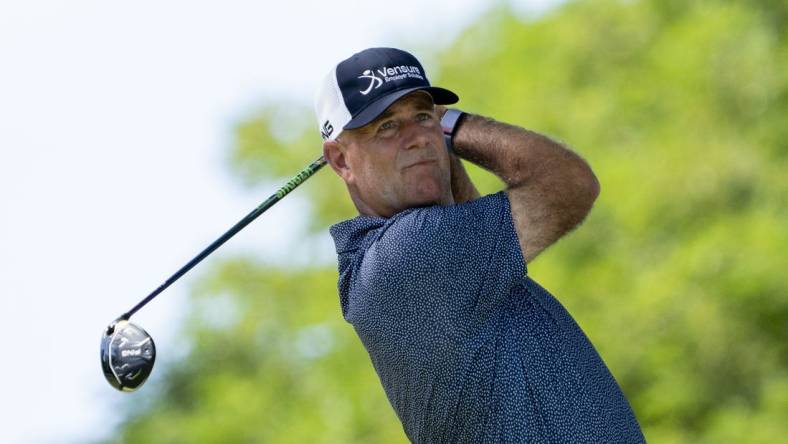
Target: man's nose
x=415, y=135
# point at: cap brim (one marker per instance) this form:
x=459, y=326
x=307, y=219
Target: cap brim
x=440, y=96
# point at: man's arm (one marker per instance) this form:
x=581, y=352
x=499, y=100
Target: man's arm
x=462, y=187
x=551, y=189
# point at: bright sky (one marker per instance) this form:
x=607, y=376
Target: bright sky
x=115, y=122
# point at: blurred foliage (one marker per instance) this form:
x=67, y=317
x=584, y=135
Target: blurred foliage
x=678, y=275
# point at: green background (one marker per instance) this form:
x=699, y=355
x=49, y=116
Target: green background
x=677, y=276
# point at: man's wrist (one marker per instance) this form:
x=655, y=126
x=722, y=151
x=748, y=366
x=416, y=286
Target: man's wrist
x=450, y=121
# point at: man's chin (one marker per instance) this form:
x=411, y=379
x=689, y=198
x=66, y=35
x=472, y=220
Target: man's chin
x=427, y=199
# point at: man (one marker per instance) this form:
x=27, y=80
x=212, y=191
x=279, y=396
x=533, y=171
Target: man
x=433, y=277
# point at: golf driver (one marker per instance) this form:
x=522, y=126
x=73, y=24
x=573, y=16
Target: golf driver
x=128, y=351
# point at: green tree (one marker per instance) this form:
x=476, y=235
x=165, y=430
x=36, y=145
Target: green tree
x=677, y=275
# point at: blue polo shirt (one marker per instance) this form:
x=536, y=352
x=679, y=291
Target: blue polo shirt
x=468, y=348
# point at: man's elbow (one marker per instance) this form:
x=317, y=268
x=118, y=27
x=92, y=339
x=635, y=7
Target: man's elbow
x=586, y=191
x=580, y=180
x=592, y=188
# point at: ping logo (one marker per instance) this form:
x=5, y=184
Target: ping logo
x=387, y=74
x=132, y=352
x=328, y=128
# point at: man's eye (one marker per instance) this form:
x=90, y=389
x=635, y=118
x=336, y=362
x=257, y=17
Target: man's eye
x=423, y=116
x=389, y=124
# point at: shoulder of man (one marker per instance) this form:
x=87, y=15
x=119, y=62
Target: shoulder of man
x=439, y=230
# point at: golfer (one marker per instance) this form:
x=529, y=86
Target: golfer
x=433, y=277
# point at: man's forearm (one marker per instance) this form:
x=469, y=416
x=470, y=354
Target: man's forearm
x=462, y=187
x=516, y=155
x=555, y=177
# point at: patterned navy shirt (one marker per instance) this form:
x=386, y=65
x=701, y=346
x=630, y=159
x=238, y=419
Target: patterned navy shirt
x=468, y=348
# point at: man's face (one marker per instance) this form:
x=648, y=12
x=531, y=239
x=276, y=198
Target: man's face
x=398, y=161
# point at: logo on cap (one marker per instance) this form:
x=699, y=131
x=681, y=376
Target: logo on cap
x=373, y=79
x=389, y=74
x=327, y=130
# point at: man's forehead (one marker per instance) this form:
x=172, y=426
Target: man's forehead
x=419, y=100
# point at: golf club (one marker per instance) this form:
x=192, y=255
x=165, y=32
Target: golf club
x=128, y=351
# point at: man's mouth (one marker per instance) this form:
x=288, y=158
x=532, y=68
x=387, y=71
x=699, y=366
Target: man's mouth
x=421, y=162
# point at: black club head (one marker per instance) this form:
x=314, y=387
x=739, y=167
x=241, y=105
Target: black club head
x=127, y=355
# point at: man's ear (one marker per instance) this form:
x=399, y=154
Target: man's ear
x=335, y=155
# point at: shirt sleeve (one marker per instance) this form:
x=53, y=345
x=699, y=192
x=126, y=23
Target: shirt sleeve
x=460, y=259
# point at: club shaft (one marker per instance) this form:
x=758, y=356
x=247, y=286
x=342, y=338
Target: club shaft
x=297, y=180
